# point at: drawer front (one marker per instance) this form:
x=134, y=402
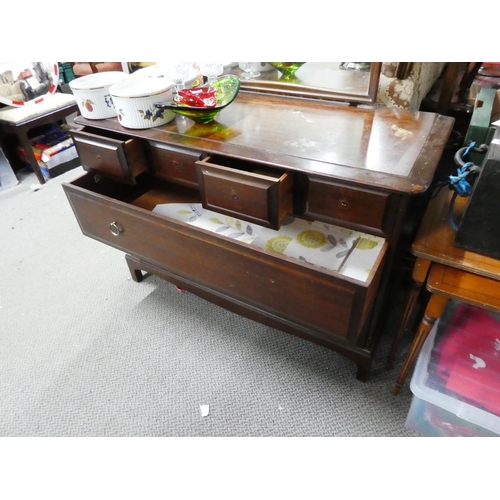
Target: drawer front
x=119, y=157
x=326, y=305
x=262, y=196
x=173, y=164
x=333, y=202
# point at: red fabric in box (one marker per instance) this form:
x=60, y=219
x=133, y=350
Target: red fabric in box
x=468, y=356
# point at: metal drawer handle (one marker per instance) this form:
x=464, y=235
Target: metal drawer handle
x=115, y=228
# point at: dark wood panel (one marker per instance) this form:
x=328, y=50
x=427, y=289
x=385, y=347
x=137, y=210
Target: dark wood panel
x=172, y=163
x=359, y=355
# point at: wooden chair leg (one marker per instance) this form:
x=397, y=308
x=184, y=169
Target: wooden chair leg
x=433, y=311
x=411, y=300
x=420, y=272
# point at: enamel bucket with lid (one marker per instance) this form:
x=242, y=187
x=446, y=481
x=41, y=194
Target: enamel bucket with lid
x=92, y=94
x=135, y=99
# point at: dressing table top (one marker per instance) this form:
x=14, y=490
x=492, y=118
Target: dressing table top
x=390, y=149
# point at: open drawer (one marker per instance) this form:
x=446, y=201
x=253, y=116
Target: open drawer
x=322, y=303
x=112, y=155
x=246, y=190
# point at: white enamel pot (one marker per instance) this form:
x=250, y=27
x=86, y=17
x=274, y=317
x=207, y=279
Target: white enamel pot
x=92, y=94
x=135, y=99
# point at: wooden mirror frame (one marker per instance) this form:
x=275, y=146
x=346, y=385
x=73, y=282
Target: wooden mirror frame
x=297, y=90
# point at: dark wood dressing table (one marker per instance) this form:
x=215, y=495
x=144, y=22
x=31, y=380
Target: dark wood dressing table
x=263, y=158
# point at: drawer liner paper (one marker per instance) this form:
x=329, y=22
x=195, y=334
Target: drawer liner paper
x=348, y=252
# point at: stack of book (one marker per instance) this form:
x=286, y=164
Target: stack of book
x=54, y=150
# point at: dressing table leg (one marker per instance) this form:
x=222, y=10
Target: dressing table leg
x=363, y=373
x=135, y=270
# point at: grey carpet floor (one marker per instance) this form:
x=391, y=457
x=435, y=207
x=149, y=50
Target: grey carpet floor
x=86, y=351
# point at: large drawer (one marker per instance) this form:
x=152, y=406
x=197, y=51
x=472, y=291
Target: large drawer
x=245, y=190
x=112, y=155
x=319, y=301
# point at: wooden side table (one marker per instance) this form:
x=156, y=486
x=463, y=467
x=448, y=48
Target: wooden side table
x=449, y=272
x=18, y=121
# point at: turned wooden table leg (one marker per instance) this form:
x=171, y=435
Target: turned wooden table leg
x=433, y=311
x=420, y=272
x=411, y=300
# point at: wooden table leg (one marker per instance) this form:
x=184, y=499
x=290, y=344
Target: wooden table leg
x=134, y=268
x=30, y=156
x=420, y=271
x=433, y=311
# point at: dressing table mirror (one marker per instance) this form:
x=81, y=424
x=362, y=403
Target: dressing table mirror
x=336, y=81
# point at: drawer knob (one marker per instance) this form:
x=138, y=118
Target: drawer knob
x=98, y=158
x=115, y=228
x=344, y=203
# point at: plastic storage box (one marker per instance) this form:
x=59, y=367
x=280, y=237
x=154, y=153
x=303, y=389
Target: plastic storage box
x=456, y=381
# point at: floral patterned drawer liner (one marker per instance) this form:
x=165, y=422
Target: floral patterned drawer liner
x=351, y=253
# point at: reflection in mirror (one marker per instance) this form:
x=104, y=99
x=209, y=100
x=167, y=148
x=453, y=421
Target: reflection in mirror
x=345, y=81
x=23, y=83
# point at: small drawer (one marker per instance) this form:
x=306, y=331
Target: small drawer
x=115, y=156
x=245, y=190
x=172, y=164
x=332, y=203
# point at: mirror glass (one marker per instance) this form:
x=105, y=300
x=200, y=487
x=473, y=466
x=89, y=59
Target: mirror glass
x=23, y=82
x=344, y=81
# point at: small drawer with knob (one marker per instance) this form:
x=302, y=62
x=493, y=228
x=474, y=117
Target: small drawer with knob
x=254, y=193
x=339, y=204
x=116, y=156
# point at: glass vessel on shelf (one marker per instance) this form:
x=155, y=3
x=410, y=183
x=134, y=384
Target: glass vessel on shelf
x=211, y=70
x=287, y=69
x=178, y=72
x=249, y=70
